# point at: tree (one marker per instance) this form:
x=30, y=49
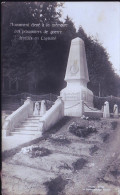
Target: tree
x=41, y=65
x=101, y=73
x=19, y=58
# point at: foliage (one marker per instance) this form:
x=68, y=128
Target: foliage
x=80, y=131
x=99, y=102
x=99, y=66
x=41, y=65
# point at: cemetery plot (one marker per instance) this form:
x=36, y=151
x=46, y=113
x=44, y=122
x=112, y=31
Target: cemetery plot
x=64, y=163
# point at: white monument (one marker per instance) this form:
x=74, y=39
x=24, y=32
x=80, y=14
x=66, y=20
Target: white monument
x=106, y=111
x=77, y=79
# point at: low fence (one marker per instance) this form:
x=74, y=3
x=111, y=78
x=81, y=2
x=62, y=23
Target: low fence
x=48, y=103
x=20, y=98
x=99, y=102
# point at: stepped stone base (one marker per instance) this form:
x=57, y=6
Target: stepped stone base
x=73, y=95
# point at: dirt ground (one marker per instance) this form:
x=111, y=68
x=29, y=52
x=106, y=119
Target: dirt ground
x=63, y=163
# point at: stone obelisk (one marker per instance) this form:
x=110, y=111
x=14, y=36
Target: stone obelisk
x=77, y=78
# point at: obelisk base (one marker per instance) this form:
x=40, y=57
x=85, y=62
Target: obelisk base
x=72, y=108
x=74, y=99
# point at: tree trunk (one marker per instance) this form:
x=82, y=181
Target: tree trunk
x=17, y=85
x=35, y=85
x=9, y=83
x=3, y=84
x=99, y=90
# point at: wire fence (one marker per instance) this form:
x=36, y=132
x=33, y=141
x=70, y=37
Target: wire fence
x=20, y=98
x=23, y=96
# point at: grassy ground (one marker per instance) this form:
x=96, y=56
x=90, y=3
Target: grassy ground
x=64, y=162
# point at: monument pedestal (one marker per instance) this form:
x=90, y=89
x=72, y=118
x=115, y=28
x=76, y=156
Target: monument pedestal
x=74, y=97
x=77, y=78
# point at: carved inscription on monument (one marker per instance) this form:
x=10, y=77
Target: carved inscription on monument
x=72, y=96
x=74, y=68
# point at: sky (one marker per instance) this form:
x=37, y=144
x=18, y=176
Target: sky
x=101, y=20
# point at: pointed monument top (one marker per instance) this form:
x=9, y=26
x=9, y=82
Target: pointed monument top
x=77, y=39
x=77, y=64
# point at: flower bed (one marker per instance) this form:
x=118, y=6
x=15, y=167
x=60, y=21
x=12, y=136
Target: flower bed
x=81, y=131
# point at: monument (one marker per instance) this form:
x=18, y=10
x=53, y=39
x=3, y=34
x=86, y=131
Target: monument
x=77, y=78
x=115, y=111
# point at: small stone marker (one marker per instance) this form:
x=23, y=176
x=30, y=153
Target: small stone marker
x=106, y=111
x=115, y=111
x=43, y=108
x=36, y=109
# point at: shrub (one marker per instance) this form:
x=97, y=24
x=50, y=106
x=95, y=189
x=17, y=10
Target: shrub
x=81, y=131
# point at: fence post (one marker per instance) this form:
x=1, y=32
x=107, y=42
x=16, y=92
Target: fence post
x=31, y=105
x=43, y=108
x=115, y=111
x=106, y=112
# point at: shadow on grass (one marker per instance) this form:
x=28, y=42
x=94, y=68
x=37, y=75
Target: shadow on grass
x=55, y=186
x=93, y=149
x=114, y=125
x=115, y=173
x=105, y=137
x=79, y=164
x=59, y=141
x=58, y=125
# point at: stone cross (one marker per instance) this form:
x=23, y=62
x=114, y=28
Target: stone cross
x=106, y=111
x=115, y=111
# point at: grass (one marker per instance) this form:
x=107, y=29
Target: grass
x=58, y=125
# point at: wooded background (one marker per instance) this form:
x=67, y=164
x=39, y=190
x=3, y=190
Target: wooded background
x=39, y=66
